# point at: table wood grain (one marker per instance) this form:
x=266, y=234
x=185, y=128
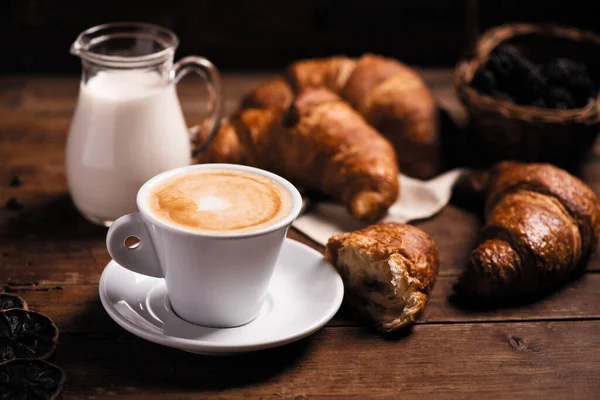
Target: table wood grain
x=53, y=258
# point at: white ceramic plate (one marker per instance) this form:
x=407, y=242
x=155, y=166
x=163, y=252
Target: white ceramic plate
x=304, y=294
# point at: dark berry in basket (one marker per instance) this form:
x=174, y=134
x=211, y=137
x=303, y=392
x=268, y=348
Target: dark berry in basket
x=508, y=65
x=536, y=81
x=539, y=102
x=583, y=89
x=484, y=80
x=508, y=75
x=558, y=84
x=573, y=77
x=521, y=92
x=560, y=98
x=561, y=72
x=501, y=65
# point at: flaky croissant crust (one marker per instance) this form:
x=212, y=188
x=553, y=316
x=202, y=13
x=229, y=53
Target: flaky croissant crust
x=319, y=143
x=359, y=104
x=542, y=224
x=389, y=270
x=390, y=96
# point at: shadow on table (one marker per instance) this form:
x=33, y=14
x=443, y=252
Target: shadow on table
x=469, y=304
x=346, y=317
x=53, y=218
x=104, y=355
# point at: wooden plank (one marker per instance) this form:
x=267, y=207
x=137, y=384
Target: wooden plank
x=54, y=244
x=500, y=360
x=77, y=307
x=576, y=300
x=72, y=252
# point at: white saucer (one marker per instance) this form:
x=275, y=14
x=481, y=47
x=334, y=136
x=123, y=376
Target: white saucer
x=305, y=293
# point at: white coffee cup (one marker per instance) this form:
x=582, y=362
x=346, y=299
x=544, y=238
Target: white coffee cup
x=217, y=280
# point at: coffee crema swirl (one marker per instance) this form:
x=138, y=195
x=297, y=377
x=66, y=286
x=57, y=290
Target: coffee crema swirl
x=222, y=201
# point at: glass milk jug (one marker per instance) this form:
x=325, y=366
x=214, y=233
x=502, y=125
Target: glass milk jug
x=128, y=124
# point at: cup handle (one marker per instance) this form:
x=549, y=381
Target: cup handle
x=209, y=72
x=142, y=258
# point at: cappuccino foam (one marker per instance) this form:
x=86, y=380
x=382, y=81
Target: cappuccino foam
x=221, y=201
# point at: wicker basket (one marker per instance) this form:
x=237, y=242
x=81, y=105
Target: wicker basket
x=501, y=130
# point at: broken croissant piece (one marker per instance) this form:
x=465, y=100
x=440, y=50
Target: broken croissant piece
x=388, y=270
x=541, y=225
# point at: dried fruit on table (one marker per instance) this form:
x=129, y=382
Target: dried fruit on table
x=8, y=301
x=26, y=334
x=30, y=379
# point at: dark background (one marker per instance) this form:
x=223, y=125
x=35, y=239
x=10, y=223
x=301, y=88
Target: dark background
x=250, y=35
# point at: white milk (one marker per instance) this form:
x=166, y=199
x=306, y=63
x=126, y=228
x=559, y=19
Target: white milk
x=128, y=126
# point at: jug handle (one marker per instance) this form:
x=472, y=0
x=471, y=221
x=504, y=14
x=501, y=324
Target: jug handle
x=210, y=126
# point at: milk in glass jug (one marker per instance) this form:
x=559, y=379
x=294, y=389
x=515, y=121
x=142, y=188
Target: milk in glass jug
x=128, y=124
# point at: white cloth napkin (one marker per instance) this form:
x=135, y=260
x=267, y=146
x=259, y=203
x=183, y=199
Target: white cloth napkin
x=418, y=199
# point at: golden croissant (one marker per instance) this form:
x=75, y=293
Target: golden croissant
x=541, y=225
x=319, y=143
x=388, y=94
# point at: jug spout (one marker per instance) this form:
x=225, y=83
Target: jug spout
x=81, y=44
x=76, y=48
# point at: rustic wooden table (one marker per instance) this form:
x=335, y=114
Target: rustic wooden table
x=53, y=258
